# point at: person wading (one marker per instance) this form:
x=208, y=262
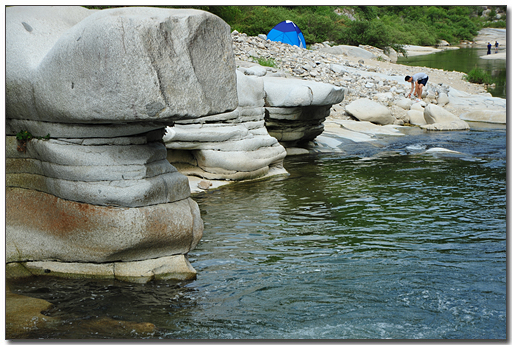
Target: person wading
x=418, y=81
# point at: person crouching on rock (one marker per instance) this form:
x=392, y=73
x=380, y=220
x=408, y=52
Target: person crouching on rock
x=417, y=82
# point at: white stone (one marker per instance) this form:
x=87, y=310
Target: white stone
x=440, y=119
x=404, y=103
x=416, y=117
x=442, y=99
x=367, y=110
x=447, y=126
x=370, y=128
x=259, y=71
x=435, y=114
x=417, y=106
x=491, y=116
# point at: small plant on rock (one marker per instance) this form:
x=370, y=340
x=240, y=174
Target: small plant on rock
x=270, y=62
x=24, y=137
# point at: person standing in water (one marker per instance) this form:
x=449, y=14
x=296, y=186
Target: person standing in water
x=489, y=48
x=418, y=81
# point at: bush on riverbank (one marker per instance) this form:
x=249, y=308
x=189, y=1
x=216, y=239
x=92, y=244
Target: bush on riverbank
x=479, y=76
x=378, y=26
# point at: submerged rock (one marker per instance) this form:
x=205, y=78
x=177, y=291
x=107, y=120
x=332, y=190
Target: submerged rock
x=24, y=314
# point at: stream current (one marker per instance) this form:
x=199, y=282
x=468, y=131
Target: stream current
x=397, y=241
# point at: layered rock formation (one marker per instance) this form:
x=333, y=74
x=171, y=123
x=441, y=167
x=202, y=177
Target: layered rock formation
x=248, y=143
x=296, y=109
x=102, y=86
x=229, y=146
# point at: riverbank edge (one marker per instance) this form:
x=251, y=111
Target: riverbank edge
x=412, y=50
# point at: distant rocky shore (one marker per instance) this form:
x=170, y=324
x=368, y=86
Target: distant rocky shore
x=366, y=72
x=374, y=85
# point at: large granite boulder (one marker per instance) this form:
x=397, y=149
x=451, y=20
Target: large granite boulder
x=440, y=119
x=102, y=86
x=117, y=65
x=365, y=109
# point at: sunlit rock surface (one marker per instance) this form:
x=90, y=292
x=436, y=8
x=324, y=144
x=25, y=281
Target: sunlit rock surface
x=103, y=86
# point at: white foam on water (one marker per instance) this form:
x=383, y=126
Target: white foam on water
x=418, y=147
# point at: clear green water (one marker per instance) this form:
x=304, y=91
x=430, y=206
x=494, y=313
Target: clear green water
x=375, y=243
x=464, y=60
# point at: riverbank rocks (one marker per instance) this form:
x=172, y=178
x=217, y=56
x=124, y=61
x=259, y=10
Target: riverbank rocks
x=376, y=79
x=463, y=102
x=101, y=87
x=348, y=50
x=439, y=119
x=491, y=116
x=367, y=110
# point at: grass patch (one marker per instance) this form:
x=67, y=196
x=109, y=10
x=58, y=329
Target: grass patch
x=268, y=62
x=479, y=76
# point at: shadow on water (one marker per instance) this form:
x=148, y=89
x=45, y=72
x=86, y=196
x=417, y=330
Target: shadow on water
x=464, y=60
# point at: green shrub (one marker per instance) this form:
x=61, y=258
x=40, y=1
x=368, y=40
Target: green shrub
x=479, y=76
x=379, y=26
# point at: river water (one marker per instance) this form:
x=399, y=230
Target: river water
x=391, y=241
x=464, y=60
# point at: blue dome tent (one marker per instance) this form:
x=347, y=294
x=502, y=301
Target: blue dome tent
x=287, y=32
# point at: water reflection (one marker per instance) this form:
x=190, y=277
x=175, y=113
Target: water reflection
x=399, y=245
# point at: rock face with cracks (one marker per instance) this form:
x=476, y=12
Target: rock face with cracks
x=104, y=85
